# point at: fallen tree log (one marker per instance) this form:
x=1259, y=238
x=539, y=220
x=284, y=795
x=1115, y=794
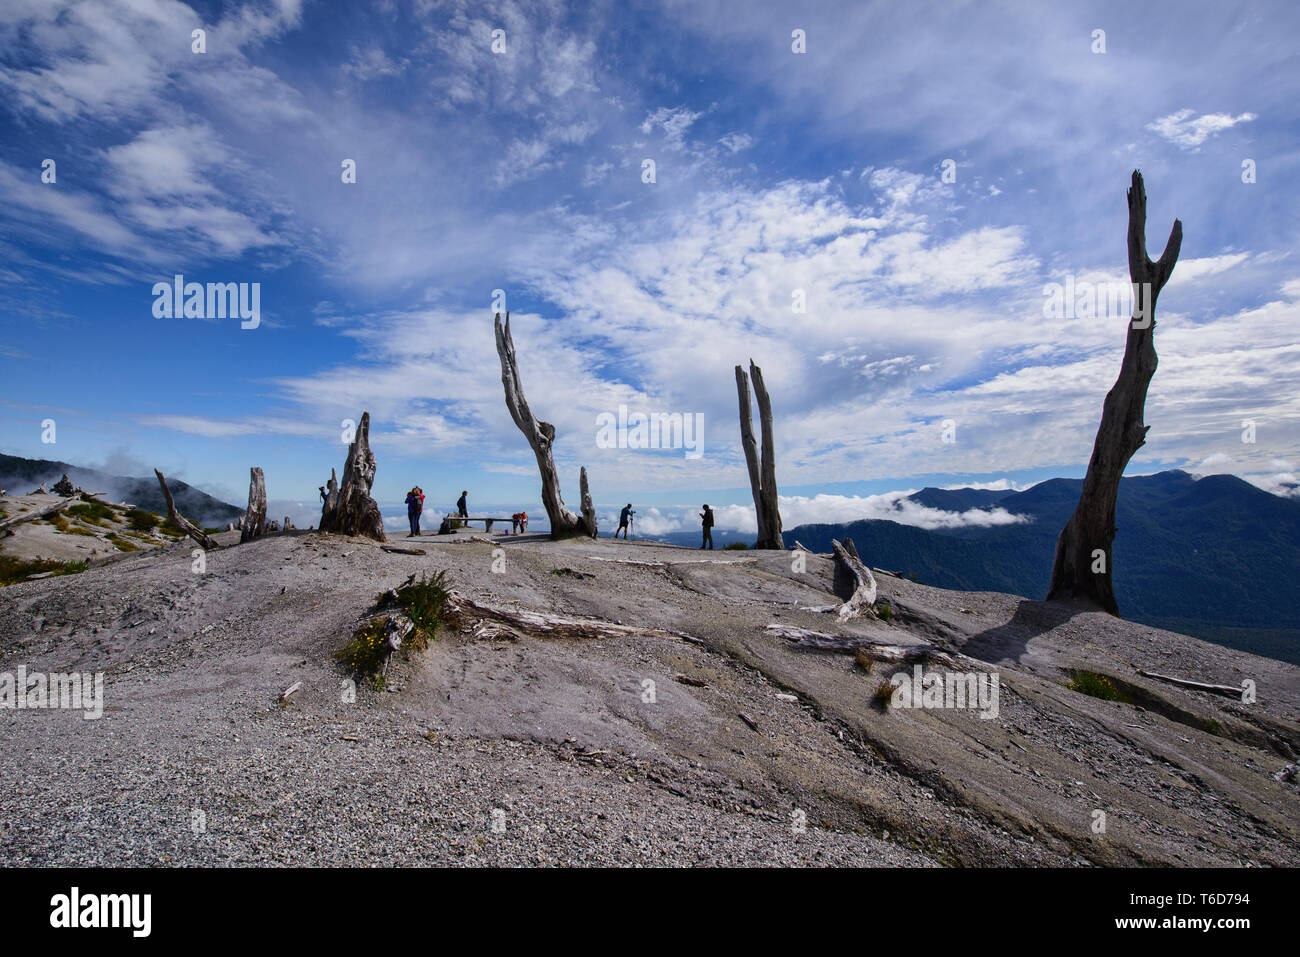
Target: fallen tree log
x=491, y=621
x=1228, y=690
x=402, y=550
x=185, y=525
x=37, y=513
x=853, y=577
x=881, y=651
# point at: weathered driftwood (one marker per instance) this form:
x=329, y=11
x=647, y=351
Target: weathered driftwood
x=762, y=473
x=541, y=437
x=402, y=550
x=1083, y=563
x=586, y=505
x=1228, y=690
x=491, y=621
x=38, y=513
x=185, y=525
x=853, y=580
x=255, y=514
x=881, y=651
x=349, y=509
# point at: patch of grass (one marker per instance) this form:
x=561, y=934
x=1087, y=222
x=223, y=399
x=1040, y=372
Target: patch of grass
x=365, y=651
x=1098, y=686
x=78, y=530
x=15, y=570
x=735, y=547
x=865, y=659
x=93, y=512
x=142, y=521
x=883, y=695
x=121, y=544
x=59, y=522
x=423, y=601
x=885, y=611
x=168, y=527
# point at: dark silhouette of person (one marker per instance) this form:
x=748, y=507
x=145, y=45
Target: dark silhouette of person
x=706, y=519
x=624, y=519
x=462, y=506
x=323, y=495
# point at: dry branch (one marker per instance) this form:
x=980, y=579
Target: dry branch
x=1228, y=690
x=37, y=513
x=541, y=438
x=489, y=620
x=185, y=525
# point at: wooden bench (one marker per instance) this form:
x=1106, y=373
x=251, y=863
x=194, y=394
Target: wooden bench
x=487, y=522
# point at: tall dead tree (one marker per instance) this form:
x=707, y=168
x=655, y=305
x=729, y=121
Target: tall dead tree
x=1082, y=567
x=762, y=474
x=541, y=436
x=255, y=515
x=188, y=527
x=349, y=510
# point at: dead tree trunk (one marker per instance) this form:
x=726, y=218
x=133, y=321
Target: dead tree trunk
x=1082, y=567
x=541, y=436
x=588, y=509
x=188, y=527
x=762, y=474
x=255, y=514
x=350, y=510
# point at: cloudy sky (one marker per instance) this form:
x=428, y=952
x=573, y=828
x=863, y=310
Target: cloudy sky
x=917, y=180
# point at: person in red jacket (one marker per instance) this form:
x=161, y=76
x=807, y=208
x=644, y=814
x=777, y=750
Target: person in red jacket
x=414, y=506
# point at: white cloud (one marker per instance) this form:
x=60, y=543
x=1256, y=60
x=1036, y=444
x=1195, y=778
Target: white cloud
x=675, y=122
x=1187, y=131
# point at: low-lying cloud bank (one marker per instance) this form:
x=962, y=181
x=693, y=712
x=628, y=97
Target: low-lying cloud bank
x=819, y=509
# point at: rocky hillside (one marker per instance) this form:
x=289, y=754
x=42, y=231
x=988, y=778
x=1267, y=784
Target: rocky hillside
x=683, y=728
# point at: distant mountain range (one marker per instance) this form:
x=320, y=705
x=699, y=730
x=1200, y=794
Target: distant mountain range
x=1215, y=558
x=19, y=476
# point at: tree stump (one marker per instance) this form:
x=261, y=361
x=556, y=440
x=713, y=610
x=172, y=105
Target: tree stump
x=762, y=474
x=255, y=514
x=349, y=509
x=1082, y=567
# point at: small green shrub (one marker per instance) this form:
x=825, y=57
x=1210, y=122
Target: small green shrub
x=95, y=513
x=1097, y=686
x=366, y=650
x=885, y=611
x=423, y=601
x=142, y=521
x=169, y=527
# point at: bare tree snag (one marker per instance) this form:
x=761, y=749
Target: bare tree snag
x=349, y=510
x=762, y=472
x=588, y=509
x=541, y=437
x=1082, y=567
x=188, y=527
x=853, y=580
x=255, y=514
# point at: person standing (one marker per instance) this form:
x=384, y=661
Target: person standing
x=414, y=506
x=624, y=520
x=706, y=520
x=462, y=505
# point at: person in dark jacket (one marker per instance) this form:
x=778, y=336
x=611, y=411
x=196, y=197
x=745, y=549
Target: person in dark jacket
x=624, y=520
x=462, y=505
x=414, y=506
x=706, y=519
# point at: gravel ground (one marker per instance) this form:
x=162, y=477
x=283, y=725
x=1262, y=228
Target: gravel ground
x=530, y=752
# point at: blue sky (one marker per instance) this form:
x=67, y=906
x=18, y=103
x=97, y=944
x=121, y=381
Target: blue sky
x=819, y=173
